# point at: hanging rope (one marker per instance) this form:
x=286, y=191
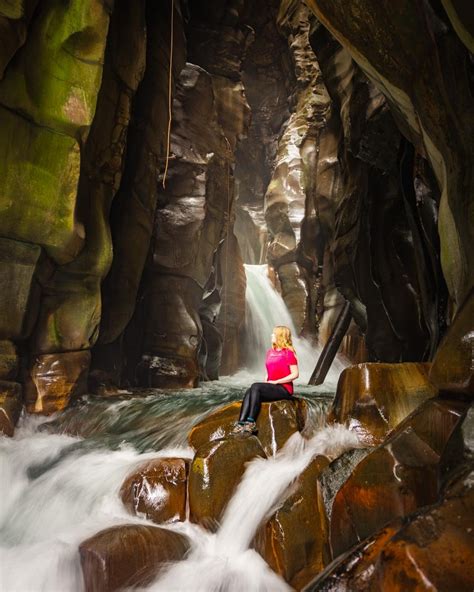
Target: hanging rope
x=170, y=105
x=226, y=253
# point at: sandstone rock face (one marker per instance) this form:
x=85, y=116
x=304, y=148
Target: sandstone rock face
x=55, y=379
x=431, y=550
x=11, y=404
x=128, y=556
x=295, y=541
x=403, y=474
x=427, y=108
x=453, y=366
x=133, y=209
x=157, y=489
x=215, y=472
x=374, y=398
x=276, y=423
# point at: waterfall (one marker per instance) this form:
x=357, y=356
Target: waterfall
x=266, y=309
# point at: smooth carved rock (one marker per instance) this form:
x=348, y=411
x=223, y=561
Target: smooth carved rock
x=276, y=423
x=400, y=476
x=453, y=366
x=9, y=363
x=215, y=472
x=157, y=489
x=432, y=550
x=374, y=398
x=55, y=379
x=435, y=111
x=128, y=556
x=295, y=540
x=11, y=403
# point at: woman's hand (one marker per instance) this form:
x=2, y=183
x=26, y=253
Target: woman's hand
x=272, y=381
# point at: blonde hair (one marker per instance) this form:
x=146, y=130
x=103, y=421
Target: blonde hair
x=282, y=338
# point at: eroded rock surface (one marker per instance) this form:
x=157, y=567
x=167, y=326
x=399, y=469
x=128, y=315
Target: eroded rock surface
x=372, y=399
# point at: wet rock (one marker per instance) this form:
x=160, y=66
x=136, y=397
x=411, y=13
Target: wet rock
x=431, y=550
x=389, y=42
x=402, y=475
x=336, y=474
x=374, y=398
x=215, y=426
x=157, y=489
x=18, y=263
x=295, y=540
x=128, y=556
x=11, y=404
x=215, y=472
x=55, y=379
x=453, y=366
x=9, y=363
x=276, y=423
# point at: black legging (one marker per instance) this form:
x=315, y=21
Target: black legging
x=258, y=392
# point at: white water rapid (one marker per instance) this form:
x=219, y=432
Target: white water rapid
x=56, y=490
x=223, y=562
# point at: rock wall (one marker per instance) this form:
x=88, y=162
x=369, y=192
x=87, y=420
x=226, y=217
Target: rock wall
x=300, y=135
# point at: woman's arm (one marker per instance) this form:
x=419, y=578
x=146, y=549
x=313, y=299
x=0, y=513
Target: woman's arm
x=294, y=373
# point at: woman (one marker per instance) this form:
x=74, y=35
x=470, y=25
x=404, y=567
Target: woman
x=282, y=369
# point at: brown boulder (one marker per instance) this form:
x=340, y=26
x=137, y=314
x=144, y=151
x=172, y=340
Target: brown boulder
x=55, y=379
x=432, y=550
x=127, y=556
x=276, y=423
x=401, y=475
x=214, y=475
x=453, y=365
x=373, y=398
x=295, y=540
x=158, y=490
x=10, y=406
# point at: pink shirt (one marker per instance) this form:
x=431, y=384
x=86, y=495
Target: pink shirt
x=278, y=365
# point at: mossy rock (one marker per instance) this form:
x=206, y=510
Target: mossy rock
x=18, y=263
x=57, y=74
x=39, y=173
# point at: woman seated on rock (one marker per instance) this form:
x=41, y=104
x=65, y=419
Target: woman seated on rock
x=282, y=369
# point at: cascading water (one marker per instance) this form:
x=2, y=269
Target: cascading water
x=60, y=477
x=266, y=309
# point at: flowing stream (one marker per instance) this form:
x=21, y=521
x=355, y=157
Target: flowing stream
x=60, y=476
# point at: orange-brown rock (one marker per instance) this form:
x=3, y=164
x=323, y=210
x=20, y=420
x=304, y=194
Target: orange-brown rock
x=400, y=476
x=55, y=379
x=157, y=489
x=295, y=540
x=128, y=556
x=214, y=475
x=453, y=365
x=10, y=406
x=374, y=398
x=433, y=550
x=276, y=423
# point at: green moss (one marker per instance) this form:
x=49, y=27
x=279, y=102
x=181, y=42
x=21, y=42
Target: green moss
x=39, y=172
x=12, y=9
x=58, y=73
